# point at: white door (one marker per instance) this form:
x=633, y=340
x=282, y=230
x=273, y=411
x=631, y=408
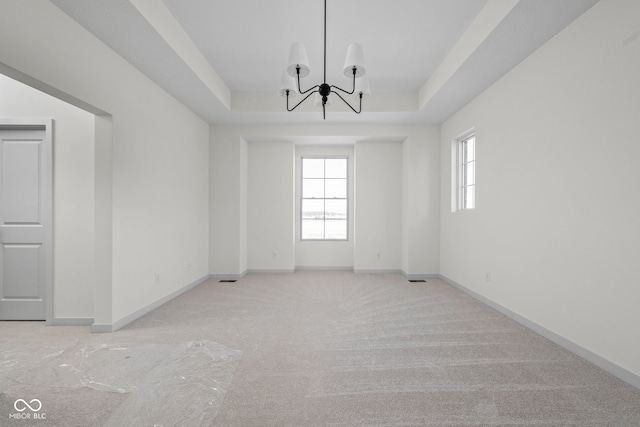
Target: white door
x=25, y=222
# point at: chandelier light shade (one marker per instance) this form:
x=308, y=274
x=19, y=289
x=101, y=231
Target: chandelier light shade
x=354, y=60
x=298, y=60
x=288, y=85
x=298, y=67
x=362, y=88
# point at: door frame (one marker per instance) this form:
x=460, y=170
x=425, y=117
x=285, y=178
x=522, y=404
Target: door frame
x=47, y=210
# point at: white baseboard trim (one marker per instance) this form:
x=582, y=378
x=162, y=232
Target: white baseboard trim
x=377, y=271
x=270, y=271
x=72, y=321
x=323, y=267
x=604, y=364
x=228, y=276
x=112, y=327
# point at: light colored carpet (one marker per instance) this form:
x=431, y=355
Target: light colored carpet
x=314, y=348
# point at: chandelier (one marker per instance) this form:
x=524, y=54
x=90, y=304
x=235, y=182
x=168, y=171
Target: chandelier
x=299, y=67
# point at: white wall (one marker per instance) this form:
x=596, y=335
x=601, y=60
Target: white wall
x=557, y=219
x=419, y=194
x=227, y=202
x=159, y=153
x=421, y=202
x=378, y=206
x=244, y=189
x=331, y=253
x=160, y=206
x=73, y=206
x=270, y=207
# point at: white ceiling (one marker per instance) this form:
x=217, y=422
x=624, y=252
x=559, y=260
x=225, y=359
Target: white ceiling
x=248, y=43
x=224, y=58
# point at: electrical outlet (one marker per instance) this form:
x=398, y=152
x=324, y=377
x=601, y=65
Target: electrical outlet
x=157, y=278
x=274, y=255
x=487, y=277
x=379, y=255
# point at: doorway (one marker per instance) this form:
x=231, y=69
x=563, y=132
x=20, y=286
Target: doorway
x=26, y=229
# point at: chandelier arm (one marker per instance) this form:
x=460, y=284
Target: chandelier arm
x=296, y=106
x=345, y=101
x=354, y=85
x=340, y=89
x=308, y=90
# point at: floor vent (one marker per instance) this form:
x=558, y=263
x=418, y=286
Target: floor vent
x=417, y=281
x=227, y=281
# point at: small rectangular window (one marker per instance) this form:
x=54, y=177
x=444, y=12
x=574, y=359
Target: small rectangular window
x=324, y=204
x=466, y=173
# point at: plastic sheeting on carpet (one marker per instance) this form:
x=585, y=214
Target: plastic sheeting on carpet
x=179, y=384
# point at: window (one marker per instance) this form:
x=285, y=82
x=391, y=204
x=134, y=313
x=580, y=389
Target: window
x=466, y=170
x=324, y=199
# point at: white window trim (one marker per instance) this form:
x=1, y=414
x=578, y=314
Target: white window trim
x=348, y=197
x=457, y=177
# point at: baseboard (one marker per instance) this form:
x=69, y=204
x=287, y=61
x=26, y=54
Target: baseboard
x=270, y=271
x=228, y=276
x=323, y=267
x=604, y=364
x=377, y=271
x=72, y=321
x=112, y=327
x=368, y=271
x=424, y=276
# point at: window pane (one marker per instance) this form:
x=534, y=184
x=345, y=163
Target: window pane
x=336, y=168
x=466, y=173
x=470, y=197
x=312, y=168
x=312, y=229
x=324, y=202
x=336, y=188
x=336, y=229
x=470, y=173
x=313, y=188
x=335, y=209
x=312, y=209
x=470, y=147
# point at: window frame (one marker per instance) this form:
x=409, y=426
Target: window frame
x=463, y=180
x=347, y=197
